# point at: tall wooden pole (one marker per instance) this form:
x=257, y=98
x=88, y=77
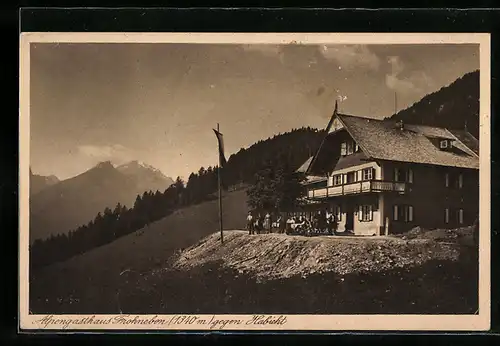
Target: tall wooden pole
x=395, y=102
x=220, y=192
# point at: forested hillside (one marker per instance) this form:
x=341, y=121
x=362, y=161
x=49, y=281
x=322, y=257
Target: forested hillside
x=455, y=106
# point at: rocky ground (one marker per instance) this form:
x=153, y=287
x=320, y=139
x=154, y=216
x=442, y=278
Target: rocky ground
x=278, y=256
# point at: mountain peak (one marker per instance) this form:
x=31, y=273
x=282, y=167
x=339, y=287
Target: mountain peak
x=149, y=177
x=104, y=164
x=138, y=164
x=40, y=182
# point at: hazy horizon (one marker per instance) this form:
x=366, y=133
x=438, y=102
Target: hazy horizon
x=157, y=103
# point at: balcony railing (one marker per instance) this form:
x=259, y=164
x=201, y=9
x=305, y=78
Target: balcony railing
x=357, y=188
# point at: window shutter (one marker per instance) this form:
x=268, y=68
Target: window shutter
x=360, y=175
x=447, y=215
x=371, y=212
x=344, y=178
x=395, y=216
x=410, y=175
x=360, y=213
x=410, y=213
x=373, y=173
x=460, y=216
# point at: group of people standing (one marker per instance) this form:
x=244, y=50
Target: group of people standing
x=264, y=223
x=321, y=222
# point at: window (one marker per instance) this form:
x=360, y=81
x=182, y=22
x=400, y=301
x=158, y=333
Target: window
x=443, y=144
x=365, y=213
x=460, y=216
x=447, y=215
x=351, y=177
x=343, y=149
x=454, y=180
x=403, y=175
x=403, y=213
x=350, y=148
x=367, y=173
x=337, y=179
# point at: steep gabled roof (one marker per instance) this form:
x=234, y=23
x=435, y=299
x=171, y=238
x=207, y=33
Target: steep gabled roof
x=384, y=140
x=305, y=165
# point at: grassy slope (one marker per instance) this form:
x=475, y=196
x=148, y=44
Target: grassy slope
x=93, y=279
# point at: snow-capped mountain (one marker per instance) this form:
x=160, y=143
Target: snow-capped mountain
x=72, y=202
x=147, y=176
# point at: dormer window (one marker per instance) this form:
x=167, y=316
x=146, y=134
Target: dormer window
x=348, y=148
x=445, y=144
x=343, y=149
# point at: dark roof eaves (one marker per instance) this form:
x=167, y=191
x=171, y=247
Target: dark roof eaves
x=465, y=145
x=425, y=163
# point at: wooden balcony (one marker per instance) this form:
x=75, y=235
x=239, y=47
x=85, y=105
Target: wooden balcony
x=357, y=188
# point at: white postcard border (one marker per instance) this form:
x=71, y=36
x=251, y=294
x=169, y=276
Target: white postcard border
x=481, y=321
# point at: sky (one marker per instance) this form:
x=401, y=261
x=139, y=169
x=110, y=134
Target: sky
x=158, y=102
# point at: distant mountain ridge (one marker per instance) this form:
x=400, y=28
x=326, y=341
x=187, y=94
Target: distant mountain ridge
x=69, y=203
x=40, y=182
x=455, y=106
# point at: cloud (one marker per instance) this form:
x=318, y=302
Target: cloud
x=346, y=56
x=413, y=82
x=115, y=153
x=350, y=56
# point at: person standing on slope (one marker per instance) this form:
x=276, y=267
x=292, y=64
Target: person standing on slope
x=250, y=226
x=267, y=223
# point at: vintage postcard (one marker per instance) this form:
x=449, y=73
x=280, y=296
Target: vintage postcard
x=328, y=182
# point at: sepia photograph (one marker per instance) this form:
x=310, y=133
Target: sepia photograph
x=254, y=181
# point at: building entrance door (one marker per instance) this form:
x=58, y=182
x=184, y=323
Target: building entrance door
x=349, y=218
